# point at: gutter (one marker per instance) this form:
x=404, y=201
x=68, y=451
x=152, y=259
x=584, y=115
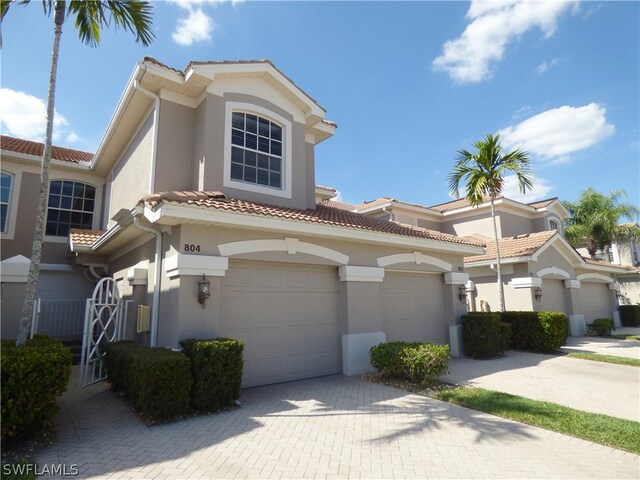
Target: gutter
x=156, y=118
x=158, y=274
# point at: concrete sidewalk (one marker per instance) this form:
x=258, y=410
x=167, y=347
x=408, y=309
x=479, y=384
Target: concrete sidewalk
x=606, y=346
x=582, y=384
x=325, y=428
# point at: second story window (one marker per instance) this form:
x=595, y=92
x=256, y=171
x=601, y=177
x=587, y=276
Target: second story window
x=5, y=193
x=553, y=225
x=71, y=205
x=256, y=150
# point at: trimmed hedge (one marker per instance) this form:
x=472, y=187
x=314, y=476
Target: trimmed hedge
x=601, y=327
x=482, y=335
x=416, y=361
x=630, y=315
x=156, y=381
x=32, y=377
x=216, y=366
x=537, y=331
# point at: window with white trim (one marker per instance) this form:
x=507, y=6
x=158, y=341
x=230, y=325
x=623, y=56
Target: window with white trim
x=257, y=151
x=5, y=194
x=71, y=205
x=553, y=225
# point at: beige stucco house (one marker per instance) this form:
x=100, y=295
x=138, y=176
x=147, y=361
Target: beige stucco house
x=540, y=270
x=210, y=172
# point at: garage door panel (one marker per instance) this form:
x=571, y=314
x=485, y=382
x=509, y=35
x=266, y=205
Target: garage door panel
x=287, y=315
x=413, y=307
x=594, y=300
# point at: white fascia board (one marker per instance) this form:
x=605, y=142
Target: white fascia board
x=196, y=265
x=123, y=221
x=352, y=273
x=511, y=207
x=184, y=212
x=380, y=206
x=503, y=261
x=127, y=94
x=574, y=259
x=603, y=268
x=62, y=164
x=179, y=98
x=163, y=72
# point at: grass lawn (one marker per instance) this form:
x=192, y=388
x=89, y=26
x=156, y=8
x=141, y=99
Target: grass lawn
x=596, y=357
x=626, y=337
x=601, y=429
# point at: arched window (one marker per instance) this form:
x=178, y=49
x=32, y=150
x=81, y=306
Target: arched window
x=5, y=195
x=553, y=225
x=71, y=205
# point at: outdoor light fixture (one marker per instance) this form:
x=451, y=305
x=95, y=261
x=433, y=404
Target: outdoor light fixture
x=538, y=293
x=462, y=294
x=203, y=290
x=619, y=294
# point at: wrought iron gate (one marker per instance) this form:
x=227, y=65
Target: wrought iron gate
x=104, y=322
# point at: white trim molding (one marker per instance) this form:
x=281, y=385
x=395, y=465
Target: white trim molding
x=197, y=265
x=361, y=274
x=418, y=258
x=553, y=272
x=572, y=284
x=526, y=282
x=138, y=275
x=288, y=245
x=456, y=278
x=594, y=277
x=15, y=269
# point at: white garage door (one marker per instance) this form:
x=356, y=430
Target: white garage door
x=594, y=300
x=413, y=307
x=287, y=316
x=553, y=295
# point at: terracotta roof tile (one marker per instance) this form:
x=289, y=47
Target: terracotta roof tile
x=593, y=261
x=339, y=205
x=385, y=200
x=543, y=203
x=29, y=147
x=322, y=214
x=328, y=189
x=455, y=204
x=84, y=237
x=512, y=247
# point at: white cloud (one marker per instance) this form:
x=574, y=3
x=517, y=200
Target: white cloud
x=544, y=66
x=556, y=133
x=541, y=189
x=495, y=24
x=23, y=115
x=196, y=27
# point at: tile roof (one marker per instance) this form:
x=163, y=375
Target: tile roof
x=328, y=189
x=455, y=204
x=512, y=247
x=29, y=147
x=543, y=203
x=593, y=261
x=84, y=237
x=385, y=200
x=339, y=205
x=322, y=214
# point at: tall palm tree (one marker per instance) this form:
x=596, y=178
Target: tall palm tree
x=594, y=220
x=483, y=173
x=90, y=18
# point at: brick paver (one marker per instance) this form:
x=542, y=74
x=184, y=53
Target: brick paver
x=326, y=428
x=606, y=346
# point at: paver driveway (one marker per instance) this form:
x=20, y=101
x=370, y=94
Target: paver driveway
x=331, y=427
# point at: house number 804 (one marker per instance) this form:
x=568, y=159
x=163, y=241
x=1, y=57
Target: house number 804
x=190, y=247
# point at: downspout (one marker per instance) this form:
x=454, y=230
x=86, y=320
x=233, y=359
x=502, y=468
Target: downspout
x=154, y=140
x=155, y=306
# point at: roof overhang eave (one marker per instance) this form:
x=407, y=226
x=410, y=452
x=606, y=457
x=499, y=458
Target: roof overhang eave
x=172, y=214
x=503, y=261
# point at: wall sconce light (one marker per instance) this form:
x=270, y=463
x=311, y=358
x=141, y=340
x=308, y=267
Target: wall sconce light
x=462, y=294
x=619, y=294
x=538, y=293
x=203, y=290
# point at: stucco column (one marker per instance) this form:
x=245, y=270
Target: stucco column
x=574, y=309
x=455, y=308
x=360, y=315
x=613, y=304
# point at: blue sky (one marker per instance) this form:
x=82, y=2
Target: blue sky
x=408, y=83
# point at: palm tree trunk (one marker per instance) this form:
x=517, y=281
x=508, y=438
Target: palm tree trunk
x=38, y=236
x=495, y=237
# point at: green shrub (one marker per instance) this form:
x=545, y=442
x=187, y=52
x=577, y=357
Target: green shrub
x=630, y=315
x=216, y=366
x=482, y=335
x=156, y=381
x=600, y=326
x=417, y=361
x=32, y=377
x=537, y=331
x=505, y=336
x=117, y=363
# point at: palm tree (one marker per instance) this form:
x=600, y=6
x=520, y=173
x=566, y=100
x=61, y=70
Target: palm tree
x=483, y=173
x=594, y=220
x=90, y=18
